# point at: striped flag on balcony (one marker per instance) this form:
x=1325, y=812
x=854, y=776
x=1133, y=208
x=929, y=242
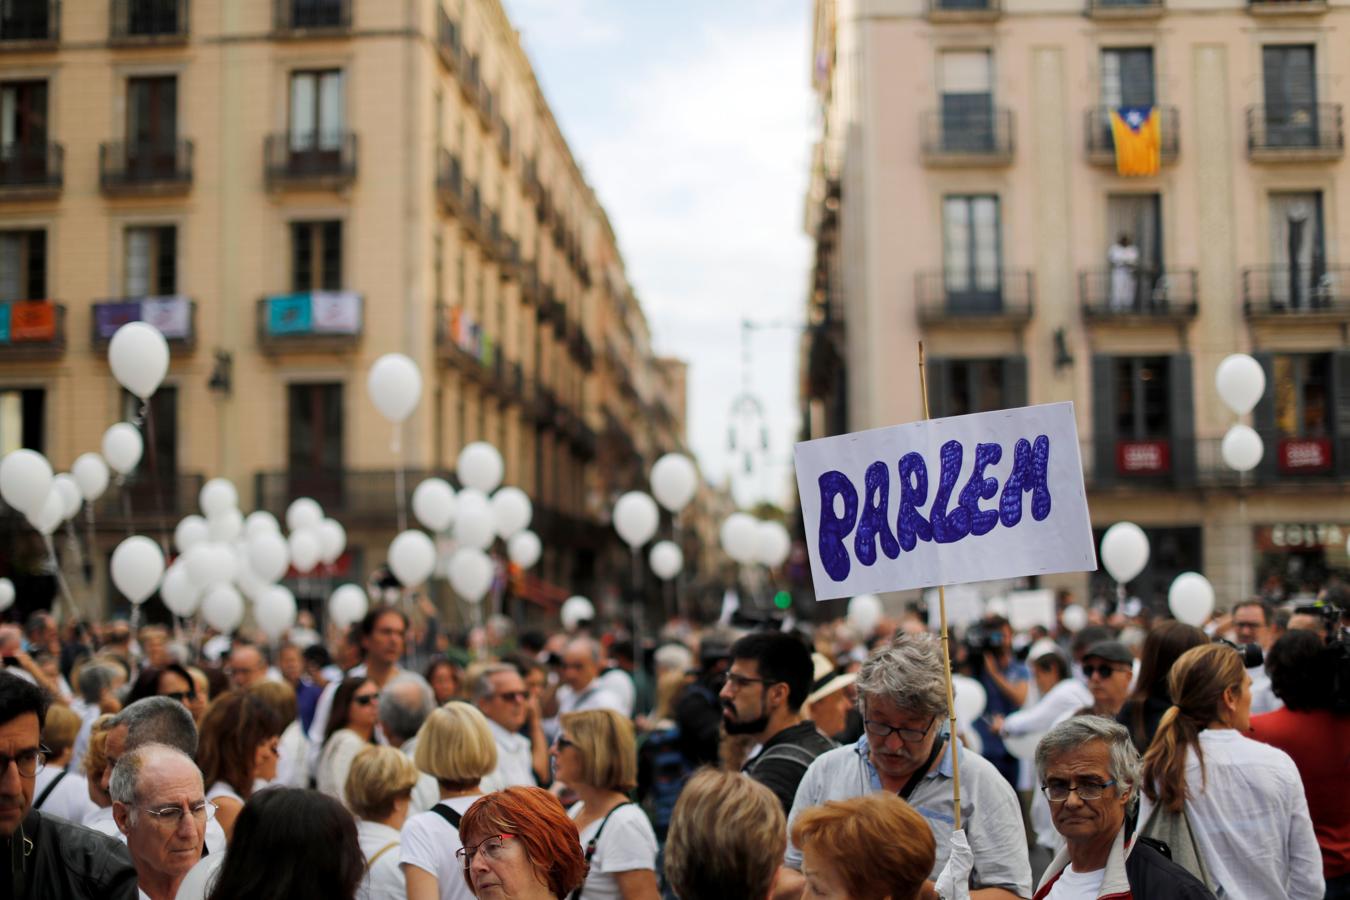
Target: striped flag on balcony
x=1137, y=132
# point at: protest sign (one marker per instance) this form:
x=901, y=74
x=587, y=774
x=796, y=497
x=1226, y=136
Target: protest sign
x=945, y=501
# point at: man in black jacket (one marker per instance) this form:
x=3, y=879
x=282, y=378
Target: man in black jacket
x=47, y=857
x=1089, y=771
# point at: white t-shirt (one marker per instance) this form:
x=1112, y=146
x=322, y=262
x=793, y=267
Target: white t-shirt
x=69, y=800
x=429, y=842
x=101, y=820
x=1072, y=885
x=336, y=762
x=384, y=879
x=620, y=684
x=200, y=878
x=515, y=761
x=224, y=789
x=627, y=843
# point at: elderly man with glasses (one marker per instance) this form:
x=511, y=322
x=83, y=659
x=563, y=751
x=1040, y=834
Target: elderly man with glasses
x=902, y=695
x=500, y=694
x=160, y=805
x=1089, y=771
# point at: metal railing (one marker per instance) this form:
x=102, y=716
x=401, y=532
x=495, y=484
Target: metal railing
x=1296, y=290
x=293, y=336
x=450, y=181
x=368, y=497
x=149, y=165
x=37, y=330
x=1101, y=138
x=995, y=294
x=1123, y=7
x=328, y=159
x=312, y=15
x=975, y=136
x=137, y=20
x=30, y=21
x=1295, y=131
x=31, y=166
x=967, y=7
x=149, y=501
x=99, y=327
x=448, y=39
x=1107, y=293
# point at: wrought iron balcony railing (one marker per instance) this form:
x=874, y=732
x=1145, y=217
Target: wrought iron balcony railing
x=1124, y=9
x=964, y=295
x=1101, y=139
x=31, y=169
x=148, y=21
x=978, y=138
x=24, y=23
x=145, y=166
x=449, y=41
x=311, y=322
x=1295, y=132
x=326, y=160
x=175, y=317
x=1145, y=294
x=37, y=330
x=957, y=10
x=294, y=18
x=1292, y=291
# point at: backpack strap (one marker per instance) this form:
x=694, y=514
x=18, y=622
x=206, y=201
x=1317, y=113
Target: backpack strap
x=792, y=752
x=595, y=839
x=381, y=852
x=448, y=815
x=47, y=791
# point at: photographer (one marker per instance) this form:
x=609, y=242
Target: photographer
x=1313, y=680
x=1006, y=683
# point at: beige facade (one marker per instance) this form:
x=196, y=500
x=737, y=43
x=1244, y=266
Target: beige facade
x=964, y=193
x=323, y=181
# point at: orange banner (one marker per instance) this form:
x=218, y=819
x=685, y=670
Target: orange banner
x=32, y=320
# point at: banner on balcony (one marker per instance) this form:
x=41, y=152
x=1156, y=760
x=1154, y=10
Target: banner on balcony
x=4, y=322
x=171, y=315
x=289, y=314
x=336, y=312
x=1137, y=133
x=31, y=320
x=947, y=501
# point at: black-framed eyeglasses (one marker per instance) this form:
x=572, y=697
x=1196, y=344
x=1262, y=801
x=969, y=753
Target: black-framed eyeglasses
x=881, y=731
x=28, y=762
x=1103, y=670
x=739, y=681
x=172, y=816
x=493, y=847
x=1059, y=791
x=513, y=696
x=181, y=696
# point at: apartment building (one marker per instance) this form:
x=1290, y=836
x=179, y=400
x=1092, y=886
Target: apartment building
x=290, y=189
x=964, y=192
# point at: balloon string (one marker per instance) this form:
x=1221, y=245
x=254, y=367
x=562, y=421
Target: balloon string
x=400, y=487
x=61, y=578
x=93, y=547
x=126, y=502
x=155, y=485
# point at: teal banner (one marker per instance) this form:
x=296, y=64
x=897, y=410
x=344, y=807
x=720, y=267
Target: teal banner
x=290, y=314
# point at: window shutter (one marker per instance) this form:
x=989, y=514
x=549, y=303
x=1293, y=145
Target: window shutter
x=1182, y=416
x=37, y=265
x=166, y=268
x=332, y=256
x=1340, y=404
x=1103, y=418
x=1014, y=382
x=1263, y=420
x=302, y=257
x=34, y=419
x=939, y=388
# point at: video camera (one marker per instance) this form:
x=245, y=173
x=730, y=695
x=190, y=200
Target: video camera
x=980, y=639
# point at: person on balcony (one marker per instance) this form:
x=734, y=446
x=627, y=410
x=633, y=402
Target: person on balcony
x=1124, y=259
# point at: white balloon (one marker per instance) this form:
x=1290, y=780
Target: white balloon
x=274, y=611
x=524, y=549
x=970, y=698
x=139, y=357
x=474, y=525
x=1124, y=551
x=226, y=526
x=1191, y=598
x=223, y=608
x=332, y=541
x=771, y=544
x=576, y=610
x=306, y=549
x=303, y=513
x=864, y=614
x=348, y=604
x=470, y=573
x=49, y=518
x=511, y=511
x=259, y=522
x=666, y=559
x=218, y=496
x=1022, y=746
x=122, y=447
x=1242, y=448
x=636, y=518
x=210, y=563
x=249, y=583
x=137, y=567
x=91, y=474
x=269, y=556
x=25, y=480
x=738, y=534
x=1074, y=617
x=674, y=481
x=6, y=594
x=71, y=499
x=433, y=504
x=395, y=386
x=179, y=594
x=480, y=467
x=412, y=558
x=1241, y=382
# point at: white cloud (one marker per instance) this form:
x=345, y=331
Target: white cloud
x=570, y=24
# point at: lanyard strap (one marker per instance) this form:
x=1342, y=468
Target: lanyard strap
x=922, y=771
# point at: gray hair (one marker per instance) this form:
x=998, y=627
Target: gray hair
x=909, y=674
x=158, y=720
x=95, y=678
x=672, y=658
x=124, y=785
x=1073, y=733
x=590, y=645
x=405, y=704
x=482, y=685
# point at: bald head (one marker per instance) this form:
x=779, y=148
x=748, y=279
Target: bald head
x=581, y=662
x=405, y=704
x=247, y=666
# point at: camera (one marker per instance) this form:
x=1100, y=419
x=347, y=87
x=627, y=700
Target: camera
x=978, y=640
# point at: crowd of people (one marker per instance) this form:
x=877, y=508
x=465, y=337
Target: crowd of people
x=1136, y=757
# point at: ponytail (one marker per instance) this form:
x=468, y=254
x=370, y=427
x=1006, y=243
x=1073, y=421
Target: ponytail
x=1165, y=761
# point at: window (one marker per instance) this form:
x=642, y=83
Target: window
x=1291, y=95
x=1134, y=226
x=972, y=255
x=316, y=256
x=22, y=416
x=314, y=452
x=152, y=112
x=1302, y=388
x=967, y=100
x=1297, y=249
x=1141, y=398
x=152, y=261
x=1127, y=77
x=318, y=117
x=23, y=116
x=23, y=265
x=161, y=441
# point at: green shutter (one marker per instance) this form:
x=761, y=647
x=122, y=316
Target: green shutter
x=1103, y=464
x=1182, y=416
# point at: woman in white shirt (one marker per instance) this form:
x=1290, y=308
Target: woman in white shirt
x=379, y=791
x=455, y=746
x=351, y=726
x=596, y=756
x=236, y=747
x=1244, y=799
x=57, y=789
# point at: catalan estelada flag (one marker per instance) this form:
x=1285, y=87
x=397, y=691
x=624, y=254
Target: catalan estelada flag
x=1137, y=132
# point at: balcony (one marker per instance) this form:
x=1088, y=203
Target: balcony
x=29, y=24
x=531, y=289
x=1290, y=461
x=551, y=308
x=449, y=44
x=510, y=380
x=503, y=141
x=981, y=138
x=508, y=257
x=310, y=322
x=1141, y=297
x=529, y=178
x=144, y=503
x=1124, y=9
x=31, y=171
x=546, y=409
x=311, y=18
x=310, y=162
x=469, y=76
x=32, y=330
x=1159, y=463
x=359, y=498
x=492, y=232
x=1286, y=7
x=1303, y=133
x=158, y=168
x=1101, y=140
x=1316, y=293
x=140, y=22
x=964, y=10
x=175, y=317
x=475, y=213
x=450, y=183
x=995, y=297
x=580, y=347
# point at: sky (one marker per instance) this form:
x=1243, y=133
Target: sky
x=693, y=121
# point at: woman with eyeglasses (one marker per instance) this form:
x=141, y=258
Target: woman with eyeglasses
x=596, y=756
x=519, y=843
x=1243, y=800
x=456, y=747
x=236, y=749
x=351, y=727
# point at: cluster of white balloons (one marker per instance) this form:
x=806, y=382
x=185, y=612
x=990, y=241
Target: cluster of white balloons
x=1125, y=552
x=864, y=614
x=674, y=481
x=748, y=540
x=1241, y=381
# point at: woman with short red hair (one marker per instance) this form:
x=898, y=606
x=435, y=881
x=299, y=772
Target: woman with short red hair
x=871, y=846
x=520, y=843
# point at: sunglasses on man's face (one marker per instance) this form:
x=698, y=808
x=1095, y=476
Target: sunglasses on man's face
x=1104, y=671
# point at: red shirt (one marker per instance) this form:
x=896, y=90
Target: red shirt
x=1319, y=744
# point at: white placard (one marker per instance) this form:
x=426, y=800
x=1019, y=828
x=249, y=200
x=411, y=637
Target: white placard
x=964, y=606
x=900, y=507
x=1027, y=609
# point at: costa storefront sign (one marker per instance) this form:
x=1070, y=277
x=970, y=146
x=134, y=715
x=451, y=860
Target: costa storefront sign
x=1305, y=455
x=1143, y=457
x=1306, y=536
